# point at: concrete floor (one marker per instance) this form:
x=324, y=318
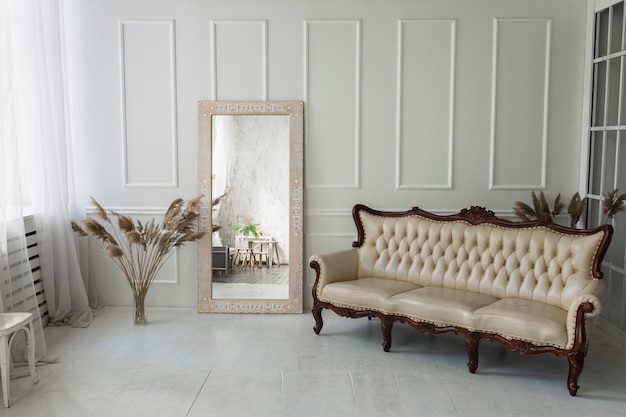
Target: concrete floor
x=185, y=364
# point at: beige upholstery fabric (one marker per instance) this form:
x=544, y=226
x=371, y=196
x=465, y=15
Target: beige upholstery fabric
x=366, y=293
x=534, y=264
x=441, y=306
x=516, y=318
x=336, y=266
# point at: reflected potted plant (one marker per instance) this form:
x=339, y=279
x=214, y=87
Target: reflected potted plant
x=138, y=249
x=247, y=229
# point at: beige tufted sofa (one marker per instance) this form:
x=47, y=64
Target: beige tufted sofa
x=535, y=287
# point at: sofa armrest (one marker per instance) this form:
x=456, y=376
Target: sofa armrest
x=334, y=267
x=593, y=295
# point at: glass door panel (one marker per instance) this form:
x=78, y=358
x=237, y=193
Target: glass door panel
x=607, y=149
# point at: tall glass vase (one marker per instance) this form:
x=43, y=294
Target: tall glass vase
x=139, y=307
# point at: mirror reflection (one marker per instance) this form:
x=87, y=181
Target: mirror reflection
x=250, y=168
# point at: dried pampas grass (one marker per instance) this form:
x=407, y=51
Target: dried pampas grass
x=139, y=250
x=613, y=203
x=540, y=209
x=575, y=209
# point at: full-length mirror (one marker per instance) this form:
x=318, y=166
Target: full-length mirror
x=251, y=174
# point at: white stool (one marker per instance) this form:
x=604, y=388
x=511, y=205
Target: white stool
x=10, y=325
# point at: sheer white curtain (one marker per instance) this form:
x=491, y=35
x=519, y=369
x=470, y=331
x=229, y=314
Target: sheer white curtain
x=17, y=292
x=222, y=148
x=224, y=127
x=42, y=48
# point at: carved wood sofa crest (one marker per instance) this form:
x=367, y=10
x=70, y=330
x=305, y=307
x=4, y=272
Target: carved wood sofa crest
x=534, y=287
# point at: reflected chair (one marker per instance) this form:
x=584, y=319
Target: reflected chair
x=10, y=325
x=258, y=252
x=244, y=253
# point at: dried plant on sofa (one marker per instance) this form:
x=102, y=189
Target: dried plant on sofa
x=140, y=250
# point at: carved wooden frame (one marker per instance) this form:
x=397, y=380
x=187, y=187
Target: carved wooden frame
x=474, y=215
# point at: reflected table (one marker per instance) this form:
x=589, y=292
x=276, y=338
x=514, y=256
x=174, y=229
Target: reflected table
x=267, y=248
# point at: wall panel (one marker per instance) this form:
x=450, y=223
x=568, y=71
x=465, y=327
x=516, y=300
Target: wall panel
x=149, y=103
x=239, y=59
x=426, y=78
x=332, y=51
x=520, y=88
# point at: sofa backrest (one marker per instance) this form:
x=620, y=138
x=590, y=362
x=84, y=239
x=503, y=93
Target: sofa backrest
x=475, y=251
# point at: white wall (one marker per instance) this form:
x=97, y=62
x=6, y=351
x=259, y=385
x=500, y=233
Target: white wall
x=441, y=104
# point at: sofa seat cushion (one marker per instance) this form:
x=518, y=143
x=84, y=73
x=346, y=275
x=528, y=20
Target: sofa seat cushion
x=365, y=293
x=534, y=321
x=442, y=306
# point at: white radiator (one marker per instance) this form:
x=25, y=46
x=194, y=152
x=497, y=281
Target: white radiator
x=18, y=296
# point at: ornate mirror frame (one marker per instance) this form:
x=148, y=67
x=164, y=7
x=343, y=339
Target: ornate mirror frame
x=206, y=111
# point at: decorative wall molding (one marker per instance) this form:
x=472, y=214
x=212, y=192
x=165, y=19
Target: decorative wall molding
x=334, y=235
x=355, y=181
x=214, y=63
x=130, y=210
x=368, y=171
x=329, y=213
x=494, y=183
x=449, y=161
x=149, y=103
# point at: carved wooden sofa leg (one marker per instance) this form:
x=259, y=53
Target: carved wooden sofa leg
x=576, y=361
x=472, y=340
x=576, y=356
x=386, y=324
x=316, y=310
